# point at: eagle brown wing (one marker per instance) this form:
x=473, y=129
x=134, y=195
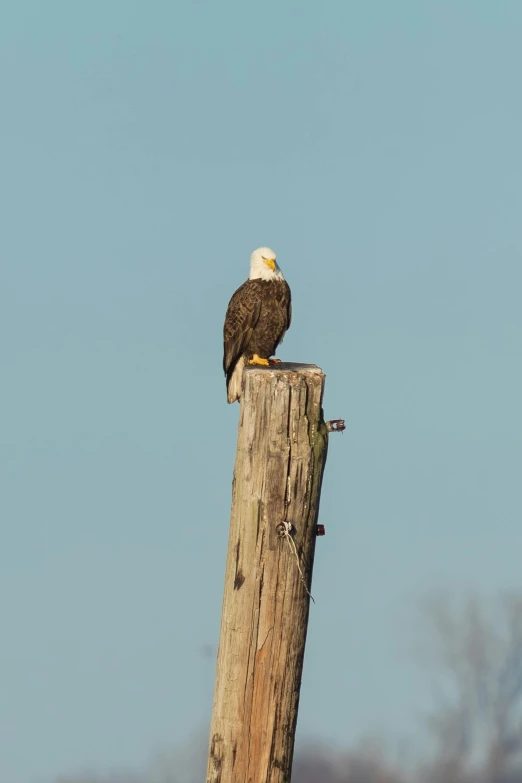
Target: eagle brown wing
x=289, y=307
x=242, y=315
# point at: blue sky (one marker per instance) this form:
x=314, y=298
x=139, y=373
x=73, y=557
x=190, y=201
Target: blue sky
x=146, y=150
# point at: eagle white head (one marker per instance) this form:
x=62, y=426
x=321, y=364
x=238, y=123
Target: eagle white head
x=263, y=265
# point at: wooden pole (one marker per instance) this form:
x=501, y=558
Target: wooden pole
x=281, y=453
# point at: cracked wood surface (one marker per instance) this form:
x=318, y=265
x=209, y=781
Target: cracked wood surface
x=281, y=452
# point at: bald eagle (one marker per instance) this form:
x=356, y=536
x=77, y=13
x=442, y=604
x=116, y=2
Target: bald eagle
x=257, y=318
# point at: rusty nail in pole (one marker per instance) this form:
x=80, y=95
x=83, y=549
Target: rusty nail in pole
x=320, y=530
x=335, y=425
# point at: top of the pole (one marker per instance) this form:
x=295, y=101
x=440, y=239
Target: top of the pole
x=282, y=368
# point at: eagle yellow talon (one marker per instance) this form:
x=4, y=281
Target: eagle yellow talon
x=258, y=360
x=274, y=361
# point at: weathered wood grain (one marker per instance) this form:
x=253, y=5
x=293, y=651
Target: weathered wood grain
x=281, y=453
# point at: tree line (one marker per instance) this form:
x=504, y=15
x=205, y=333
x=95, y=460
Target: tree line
x=475, y=735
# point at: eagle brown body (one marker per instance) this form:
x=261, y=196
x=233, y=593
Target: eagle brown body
x=257, y=318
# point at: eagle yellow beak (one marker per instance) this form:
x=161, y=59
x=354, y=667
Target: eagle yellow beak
x=269, y=262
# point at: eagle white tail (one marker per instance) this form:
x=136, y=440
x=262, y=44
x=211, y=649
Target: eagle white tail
x=236, y=380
